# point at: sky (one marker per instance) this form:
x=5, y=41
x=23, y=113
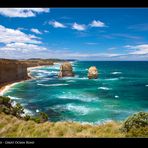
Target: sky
x=102, y=34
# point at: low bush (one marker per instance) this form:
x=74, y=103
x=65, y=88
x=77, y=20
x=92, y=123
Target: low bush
x=27, y=117
x=4, y=100
x=43, y=117
x=138, y=120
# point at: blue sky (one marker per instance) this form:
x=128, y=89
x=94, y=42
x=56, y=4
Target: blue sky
x=74, y=33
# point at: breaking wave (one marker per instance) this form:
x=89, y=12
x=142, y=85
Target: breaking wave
x=104, y=88
x=51, y=84
x=116, y=72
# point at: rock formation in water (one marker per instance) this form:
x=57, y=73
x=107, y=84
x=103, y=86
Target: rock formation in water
x=92, y=72
x=66, y=70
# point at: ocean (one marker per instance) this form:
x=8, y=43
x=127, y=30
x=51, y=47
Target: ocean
x=120, y=90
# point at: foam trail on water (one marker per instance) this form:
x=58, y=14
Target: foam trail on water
x=28, y=112
x=80, y=97
x=104, y=88
x=51, y=84
x=37, y=110
x=41, y=71
x=14, y=98
x=112, y=79
x=78, y=109
x=116, y=72
x=71, y=81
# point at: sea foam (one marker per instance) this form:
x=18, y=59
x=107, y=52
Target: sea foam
x=28, y=112
x=78, y=109
x=80, y=97
x=71, y=81
x=14, y=98
x=116, y=96
x=41, y=71
x=104, y=88
x=112, y=79
x=52, y=84
x=116, y=72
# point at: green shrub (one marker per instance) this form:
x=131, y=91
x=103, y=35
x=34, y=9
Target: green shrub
x=135, y=121
x=18, y=110
x=4, y=100
x=139, y=132
x=36, y=119
x=43, y=117
x=5, y=109
x=27, y=117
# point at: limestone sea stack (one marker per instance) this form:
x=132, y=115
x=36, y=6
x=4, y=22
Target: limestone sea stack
x=92, y=72
x=66, y=70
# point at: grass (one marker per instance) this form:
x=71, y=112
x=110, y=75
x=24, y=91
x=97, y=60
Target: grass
x=11, y=126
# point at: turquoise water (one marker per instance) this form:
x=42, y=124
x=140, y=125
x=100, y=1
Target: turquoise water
x=120, y=90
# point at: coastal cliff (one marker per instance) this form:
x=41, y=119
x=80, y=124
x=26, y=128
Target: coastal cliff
x=35, y=62
x=16, y=70
x=11, y=71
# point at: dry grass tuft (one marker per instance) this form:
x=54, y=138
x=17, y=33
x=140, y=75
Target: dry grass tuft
x=10, y=126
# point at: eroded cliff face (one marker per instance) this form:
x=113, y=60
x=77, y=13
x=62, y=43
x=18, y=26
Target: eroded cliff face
x=12, y=70
x=16, y=70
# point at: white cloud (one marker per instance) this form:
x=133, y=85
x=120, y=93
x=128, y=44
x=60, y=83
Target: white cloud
x=79, y=27
x=56, y=24
x=8, y=35
x=22, y=47
x=22, y=12
x=96, y=55
x=18, y=44
x=22, y=50
x=95, y=23
x=36, y=31
x=46, y=31
x=138, y=49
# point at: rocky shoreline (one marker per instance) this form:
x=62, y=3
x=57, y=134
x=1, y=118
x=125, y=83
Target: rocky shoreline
x=10, y=73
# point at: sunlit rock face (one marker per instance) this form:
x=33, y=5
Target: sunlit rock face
x=92, y=72
x=11, y=70
x=66, y=70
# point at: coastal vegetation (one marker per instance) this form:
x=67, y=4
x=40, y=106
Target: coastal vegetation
x=8, y=107
x=14, y=125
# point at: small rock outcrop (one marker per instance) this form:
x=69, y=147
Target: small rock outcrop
x=66, y=70
x=92, y=72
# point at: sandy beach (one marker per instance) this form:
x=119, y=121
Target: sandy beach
x=6, y=87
